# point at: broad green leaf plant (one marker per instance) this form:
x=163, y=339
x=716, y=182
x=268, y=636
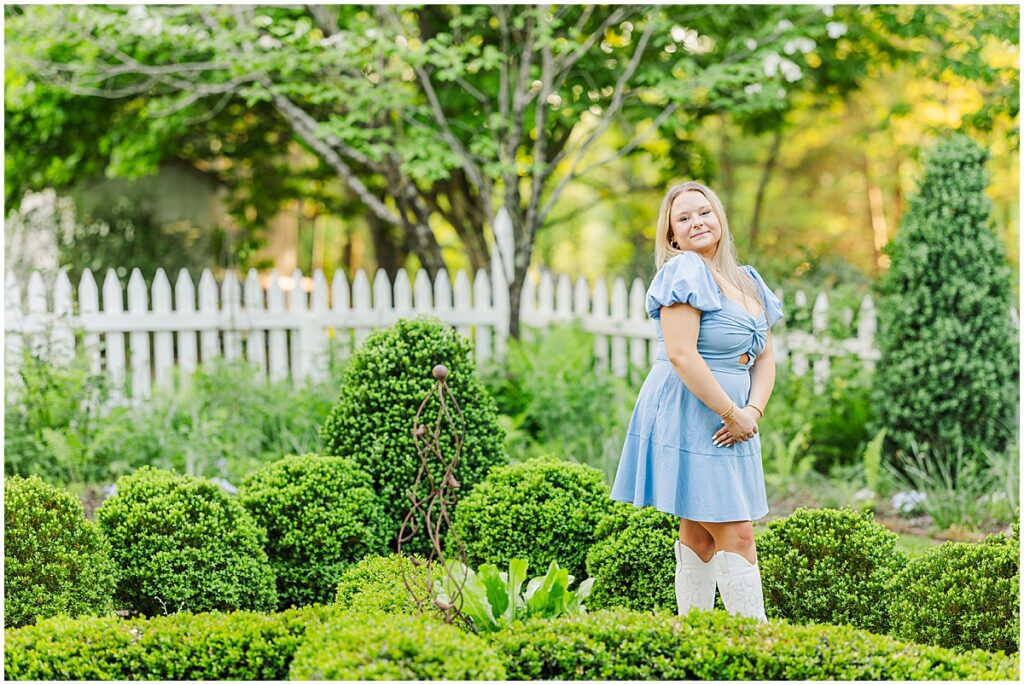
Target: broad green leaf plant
x=494, y=599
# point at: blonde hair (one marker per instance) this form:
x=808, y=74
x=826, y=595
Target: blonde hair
x=725, y=258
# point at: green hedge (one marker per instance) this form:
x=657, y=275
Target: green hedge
x=829, y=566
x=387, y=379
x=182, y=544
x=541, y=510
x=55, y=561
x=376, y=584
x=375, y=646
x=235, y=646
x=321, y=514
x=621, y=644
x=960, y=595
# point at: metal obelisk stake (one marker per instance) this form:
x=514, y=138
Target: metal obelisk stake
x=431, y=512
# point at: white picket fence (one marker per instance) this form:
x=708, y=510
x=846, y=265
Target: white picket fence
x=285, y=331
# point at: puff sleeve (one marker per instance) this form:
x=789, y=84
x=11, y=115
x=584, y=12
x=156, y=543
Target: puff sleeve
x=683, y=279
x=773, y=305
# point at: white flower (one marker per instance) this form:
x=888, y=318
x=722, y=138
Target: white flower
x=907, y=501
x=784, y=25
x=835, y=29
x=268, y=42
x=771, y=64
x=826, y=10
x=751, y=44
x=790, y=70
x=752, y=88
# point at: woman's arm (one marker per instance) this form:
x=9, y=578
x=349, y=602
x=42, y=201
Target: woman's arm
x=680, y=324
x=762, y=376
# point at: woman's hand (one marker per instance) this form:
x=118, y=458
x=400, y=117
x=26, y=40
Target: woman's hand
x=739, y=427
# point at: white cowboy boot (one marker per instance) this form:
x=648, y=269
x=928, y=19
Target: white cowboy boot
x=739, y=583
x=695, y=580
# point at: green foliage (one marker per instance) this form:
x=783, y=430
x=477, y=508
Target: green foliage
x=958, y=485
x=320, y=515
x=553, y=398
x=947, y=376
x=829, y=566
x=494, y=599
x=181, y=544
x=622, y=644
x=960, y=595
x=383, y=647
x=633, y=559
x=223, y=422
x=240, y=645
x=821, y=430
x=55, y=561
x=385, y=383
x=541, y=510
x=53, y=424
x=377, y=583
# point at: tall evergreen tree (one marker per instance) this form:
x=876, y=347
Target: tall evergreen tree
x=947, y=377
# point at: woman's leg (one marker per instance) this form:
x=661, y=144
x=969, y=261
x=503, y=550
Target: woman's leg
x=736, y=572
x=695, y=575
x=695, y=536
x=733, y=536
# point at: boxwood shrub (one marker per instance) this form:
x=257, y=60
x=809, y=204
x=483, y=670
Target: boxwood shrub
x=320, y=514
x=376, y=584
x=55, y=561
x=634, y=560
x=241, y=645
x=960, y=595
x=829, y=566
x=621, y=644
x=182, y=544
x=541, y=510
x=385, y=382
x=376, y=646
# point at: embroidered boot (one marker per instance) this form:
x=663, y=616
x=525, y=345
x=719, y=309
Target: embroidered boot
x=739, y=583
x=695, y=580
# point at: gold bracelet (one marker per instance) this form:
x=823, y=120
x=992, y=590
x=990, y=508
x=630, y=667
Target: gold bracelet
x=758, y=410
x=729, y=411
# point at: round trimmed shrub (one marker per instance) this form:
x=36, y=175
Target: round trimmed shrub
x=320, y=514
x=383, y=386
x=376, y=584
x=947, y=375
x=55, y=561
x=541, y=510
x=621, y=644
x=182, y=544
x=960, y=595
x=634, y=560
x=829, y=566
x=384, y=647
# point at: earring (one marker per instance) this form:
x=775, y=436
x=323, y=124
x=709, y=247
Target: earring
x=674, y=244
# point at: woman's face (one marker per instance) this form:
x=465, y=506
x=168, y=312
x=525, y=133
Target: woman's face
x=694, y=225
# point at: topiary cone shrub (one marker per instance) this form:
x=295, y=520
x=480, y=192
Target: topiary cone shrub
x=947, y=375
x=321, y=515
x=182, y=544
x=383, y=385
x=961, y=596
x=542, y=510
x=55, y=561
x=829, y=566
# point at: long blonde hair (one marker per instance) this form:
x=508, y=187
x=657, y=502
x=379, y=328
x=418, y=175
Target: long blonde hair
x=725, y=258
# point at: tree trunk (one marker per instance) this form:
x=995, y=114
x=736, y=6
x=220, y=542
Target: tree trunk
x=766, y=175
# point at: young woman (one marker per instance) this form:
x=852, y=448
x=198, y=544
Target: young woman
x=692, y=448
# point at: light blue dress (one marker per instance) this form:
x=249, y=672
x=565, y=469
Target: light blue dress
x=669, y=461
